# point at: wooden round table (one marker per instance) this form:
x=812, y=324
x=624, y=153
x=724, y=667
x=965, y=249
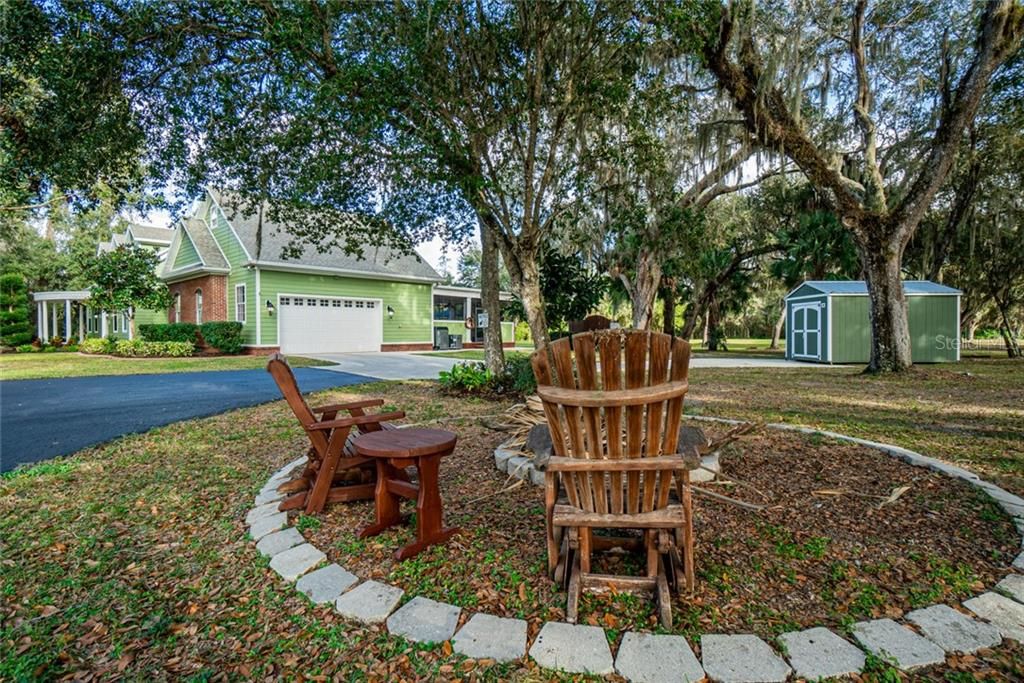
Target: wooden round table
x=394, y=450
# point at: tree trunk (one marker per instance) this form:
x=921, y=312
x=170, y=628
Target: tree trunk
x=644, y=290
x=668, y=309
x=777, y=332
x=1009, y=334
x=494, y=355
x=711, y=327
x=533, y=301
x=890, y=333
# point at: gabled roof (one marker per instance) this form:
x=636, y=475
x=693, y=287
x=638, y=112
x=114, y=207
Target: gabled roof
x=150, y=234
x=205, y=244
x=855, y=287
x=380, y=262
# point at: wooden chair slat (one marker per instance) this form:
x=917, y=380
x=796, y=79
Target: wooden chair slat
x=658, y=375
x=586, y=371
x=636, y=376
x=610, y=347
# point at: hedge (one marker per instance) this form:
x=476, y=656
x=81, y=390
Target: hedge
x=169, y=332
x=223, y=336
x=138, y=348
x=96, y=345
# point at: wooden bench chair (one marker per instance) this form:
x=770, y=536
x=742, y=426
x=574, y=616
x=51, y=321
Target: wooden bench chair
x=613, y=401
x=334, y=472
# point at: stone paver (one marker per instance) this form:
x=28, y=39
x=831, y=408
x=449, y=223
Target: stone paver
x=1018, y=563
x=264, y=525
x=326, y=583
x=889, y=640
x=486, y=636
x=742, y=658
x=279, y=541
x=501, y=458
x=649, y=658
x=1012, y=585
x=370, y=602
x=423, y=620
x=954, y=631
x=1006, y=614
x=819, y=653
x=294, y=562
x=264, y=510
x=574, y=648
x=518, y=466
x=264, y=497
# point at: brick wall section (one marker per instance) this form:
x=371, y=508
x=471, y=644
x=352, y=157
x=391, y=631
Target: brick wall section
x=215, y=298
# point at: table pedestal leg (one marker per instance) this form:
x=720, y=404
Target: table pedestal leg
x=387, y=504
x=429, y=528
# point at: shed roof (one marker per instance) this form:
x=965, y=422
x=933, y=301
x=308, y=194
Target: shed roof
x=860, y=287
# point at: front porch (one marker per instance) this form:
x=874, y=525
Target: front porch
x=66, y=315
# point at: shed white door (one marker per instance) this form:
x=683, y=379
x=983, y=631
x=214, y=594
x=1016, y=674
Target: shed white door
x=807, y=331
x=329, y=324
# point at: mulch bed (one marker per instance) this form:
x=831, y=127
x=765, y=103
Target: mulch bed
x=824, y=551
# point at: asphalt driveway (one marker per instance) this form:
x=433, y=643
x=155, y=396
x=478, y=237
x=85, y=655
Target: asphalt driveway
x=44, y=418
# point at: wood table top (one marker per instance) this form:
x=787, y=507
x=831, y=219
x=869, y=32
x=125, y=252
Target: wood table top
x=405, y=443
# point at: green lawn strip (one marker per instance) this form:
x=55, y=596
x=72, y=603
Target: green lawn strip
x=56, y=365
x=473, y=354
x=969, y=413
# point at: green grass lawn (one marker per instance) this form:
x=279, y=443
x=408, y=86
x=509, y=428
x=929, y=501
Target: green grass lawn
x=129, y=560
x=55, y=365
x=476, y=354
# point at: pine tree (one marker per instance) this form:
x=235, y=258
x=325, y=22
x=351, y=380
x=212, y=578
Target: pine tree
x=15, y=328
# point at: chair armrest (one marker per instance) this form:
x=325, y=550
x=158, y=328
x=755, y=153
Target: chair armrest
x=658, y=464
x=335, y=407
x=358, y=420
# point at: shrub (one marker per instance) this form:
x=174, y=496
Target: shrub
x=172, y=332
x=224, y=336
x=15, y=329
x=95, y=345
x=139, y=348
x=520, y=374
x=26, y=348
x=465, y=377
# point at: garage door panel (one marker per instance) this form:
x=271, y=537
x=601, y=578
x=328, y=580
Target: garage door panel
x=329, y=324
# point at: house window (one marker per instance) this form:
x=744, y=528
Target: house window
x=348, y=304
x=449, y=308
x=286, y=301
x=311, y=302
x=114, y=320
x=177, y=307
x=199, y=307
x=359, y=304
x=240, y=303
x=335, y=303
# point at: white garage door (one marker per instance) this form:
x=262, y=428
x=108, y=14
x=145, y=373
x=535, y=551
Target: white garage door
x=329, y=324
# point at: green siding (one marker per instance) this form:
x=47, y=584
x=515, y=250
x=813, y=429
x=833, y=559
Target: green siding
x=413, y=302
x=147, y=317
x=239, y=275
x=187, y=254
x=851, y=341
x=933, y=329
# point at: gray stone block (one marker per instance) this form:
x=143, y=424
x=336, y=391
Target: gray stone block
x=502, y=456
x=264, y=510
x=264, y=497
x=518, y=467
x=649, y=658
x=742, y=658
x=1007, y=615
x=326, y=583
x=538, y=442
x=536, y=476
x=486, y=636
x=954, y=631
x=370, y=602
x=423, y=620
x=1018, y=562
x=708, y=462
x=294, y=562
x=279, y=541
x=887, y=639
x=573, y=648
x=1013, y=586
x=264, y=525
x=819, y=653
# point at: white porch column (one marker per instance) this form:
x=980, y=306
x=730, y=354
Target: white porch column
x=67, y=320
x=81, y=322
x=44, y=322
x=55, y=330
x=131, y=324
x=103, y=324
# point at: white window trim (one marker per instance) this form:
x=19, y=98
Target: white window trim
x=803, y=330
x=245, y=304
x=199, y=305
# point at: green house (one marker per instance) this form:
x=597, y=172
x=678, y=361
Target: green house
x=226, y=263
x=827, y=321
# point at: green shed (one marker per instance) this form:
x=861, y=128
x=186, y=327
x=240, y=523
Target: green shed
x=827, y=321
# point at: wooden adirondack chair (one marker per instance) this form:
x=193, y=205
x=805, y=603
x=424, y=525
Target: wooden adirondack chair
x=613, y=401
x=334, y=472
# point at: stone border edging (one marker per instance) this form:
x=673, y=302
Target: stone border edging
x=576, y=648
